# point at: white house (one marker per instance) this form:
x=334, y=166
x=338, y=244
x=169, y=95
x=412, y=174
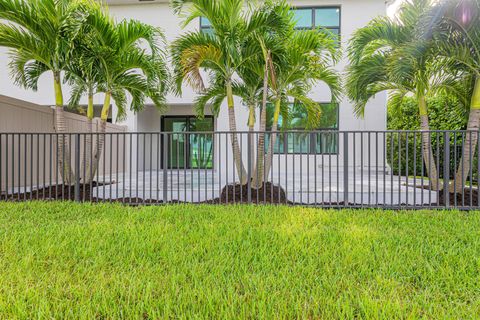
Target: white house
x=341, y=16
x=344, y=16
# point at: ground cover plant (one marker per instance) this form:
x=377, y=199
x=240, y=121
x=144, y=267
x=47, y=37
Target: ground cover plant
x=66, y=260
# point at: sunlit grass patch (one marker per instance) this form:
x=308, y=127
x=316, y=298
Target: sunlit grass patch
x=66, y=260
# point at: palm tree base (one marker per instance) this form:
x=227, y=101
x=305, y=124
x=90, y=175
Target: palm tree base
x=267, y=193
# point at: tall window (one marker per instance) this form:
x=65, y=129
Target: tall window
x=316, y=17
x=324, y=141
x=206, y=26
x=193, y=150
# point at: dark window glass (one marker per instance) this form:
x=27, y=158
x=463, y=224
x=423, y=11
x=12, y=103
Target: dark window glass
x=201, y=145
x=325, y=141
x=193, y=150
x=324, y=17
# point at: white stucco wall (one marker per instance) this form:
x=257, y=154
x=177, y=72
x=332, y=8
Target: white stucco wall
x=355, y=14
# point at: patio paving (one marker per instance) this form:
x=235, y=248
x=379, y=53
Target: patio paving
x=199, y=185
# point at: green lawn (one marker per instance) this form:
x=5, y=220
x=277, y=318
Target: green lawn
x=66, y=260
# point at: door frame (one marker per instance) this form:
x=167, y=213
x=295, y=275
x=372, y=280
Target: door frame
x=188, y=118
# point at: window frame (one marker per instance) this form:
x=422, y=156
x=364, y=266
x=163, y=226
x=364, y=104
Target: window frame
x=202, y=28
x=313, y=137
x=314, y=26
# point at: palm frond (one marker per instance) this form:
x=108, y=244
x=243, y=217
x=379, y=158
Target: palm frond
x=25, y=70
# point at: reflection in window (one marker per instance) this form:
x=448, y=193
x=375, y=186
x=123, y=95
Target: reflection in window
x=324, y=17
x=201, y=144
x=206, y=26
x=303, y=18
x=323, y=141
x=193, y=150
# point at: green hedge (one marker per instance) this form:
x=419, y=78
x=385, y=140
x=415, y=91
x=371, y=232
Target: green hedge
x=445, y=113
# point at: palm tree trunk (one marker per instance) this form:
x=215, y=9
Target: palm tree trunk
x=242, y=173
x=427, y=150
x=88, y=153
x=470, y=142
x=101, y=133
x=63, y=150
x=258, y=172
x=273, y=139
x=251, y=128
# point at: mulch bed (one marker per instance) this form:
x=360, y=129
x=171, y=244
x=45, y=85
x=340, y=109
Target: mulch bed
x=461, y=199
x=268, y=193
x=56, y=192
x=231, y=194
x=458, y=199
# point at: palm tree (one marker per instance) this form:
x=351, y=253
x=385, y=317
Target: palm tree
x=84, y=76
x=253, y=91
x=113, y=62
x=81, y=75
x=457, y=36
x=220, y=54
x=123, y=68
x=306, y=60
x=389, y=55
x=39, y=34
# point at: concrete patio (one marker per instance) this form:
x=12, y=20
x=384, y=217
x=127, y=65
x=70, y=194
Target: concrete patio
x=376, y=188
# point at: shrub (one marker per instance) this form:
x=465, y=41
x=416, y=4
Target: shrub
x=445, y=113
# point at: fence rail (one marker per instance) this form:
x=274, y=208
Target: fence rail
x=388, y=169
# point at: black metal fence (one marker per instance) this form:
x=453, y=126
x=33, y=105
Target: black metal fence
x=387, y=169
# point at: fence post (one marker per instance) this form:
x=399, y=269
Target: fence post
x=345, y=168
x=165, y=167
x=77, y=167
x=249, y=167
x=446, y=169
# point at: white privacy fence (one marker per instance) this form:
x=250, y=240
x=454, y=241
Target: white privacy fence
x=30, y=158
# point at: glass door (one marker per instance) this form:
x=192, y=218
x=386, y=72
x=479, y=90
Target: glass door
x=177, y=142
x=191, y=151
x=201, y=144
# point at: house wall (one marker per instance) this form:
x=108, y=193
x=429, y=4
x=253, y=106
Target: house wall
x=354, y=14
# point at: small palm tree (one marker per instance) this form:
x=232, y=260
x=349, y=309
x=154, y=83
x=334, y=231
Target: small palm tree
x=220, y=54
x=389, y=55
x=307, y=59
x=84, y=76
x=113, y=62
x=457, y=36
x=252, y=90
x=39, y=34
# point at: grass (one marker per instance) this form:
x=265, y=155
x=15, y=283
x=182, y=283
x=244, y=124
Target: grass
x=71, y=261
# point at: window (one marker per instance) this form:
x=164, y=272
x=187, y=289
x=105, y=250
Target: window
x=324, y=17
x=303, y=142
x=206, y=26
x=191, y=151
